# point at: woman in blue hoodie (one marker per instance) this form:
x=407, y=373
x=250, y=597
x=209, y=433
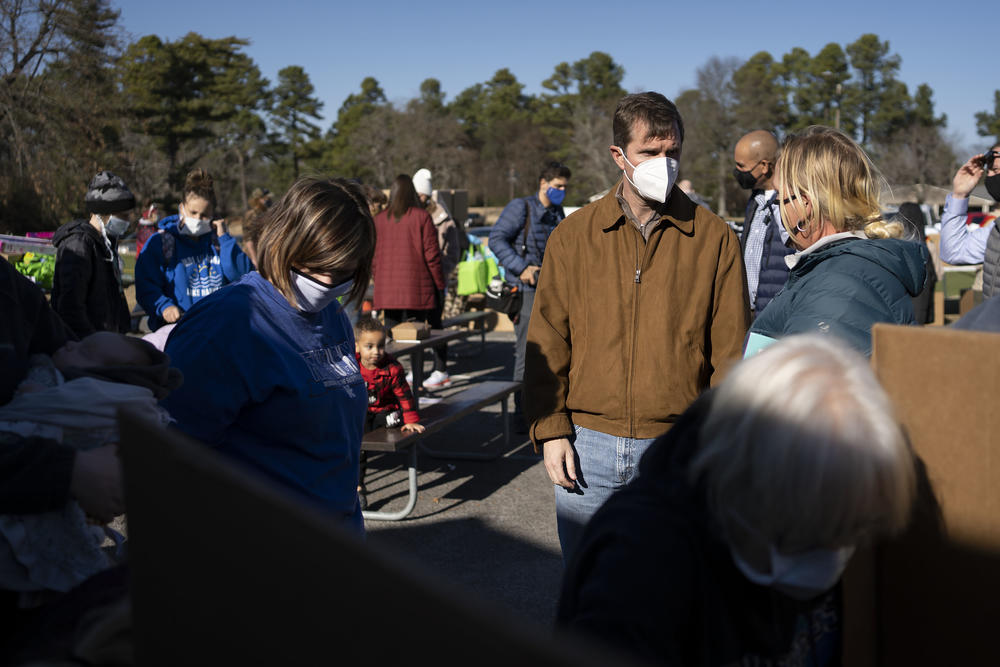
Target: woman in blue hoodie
x=191, y=257
x=270, y=374
x=851, y=269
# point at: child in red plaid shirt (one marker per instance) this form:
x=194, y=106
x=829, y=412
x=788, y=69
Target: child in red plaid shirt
x=390, y=401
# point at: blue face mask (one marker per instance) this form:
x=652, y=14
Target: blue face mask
x=556, y=196
x=313, y=296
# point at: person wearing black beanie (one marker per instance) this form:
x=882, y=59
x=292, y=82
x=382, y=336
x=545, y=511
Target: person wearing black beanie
x=87, y=290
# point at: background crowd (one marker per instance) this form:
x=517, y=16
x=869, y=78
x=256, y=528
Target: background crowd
x=702, y=401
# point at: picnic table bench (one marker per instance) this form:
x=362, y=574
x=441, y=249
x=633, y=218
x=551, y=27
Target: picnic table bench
x=470, y=317
x=434, y=418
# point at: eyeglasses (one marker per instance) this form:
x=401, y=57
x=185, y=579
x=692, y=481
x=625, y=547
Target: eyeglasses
x=786, y=202
x=989, y=158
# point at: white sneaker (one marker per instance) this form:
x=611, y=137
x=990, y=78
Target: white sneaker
x=437, y=380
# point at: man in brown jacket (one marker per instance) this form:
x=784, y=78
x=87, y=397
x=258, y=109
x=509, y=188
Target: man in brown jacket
x=641, y=300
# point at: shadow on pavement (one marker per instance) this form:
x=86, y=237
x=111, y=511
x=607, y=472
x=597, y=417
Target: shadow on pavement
x=497, y=568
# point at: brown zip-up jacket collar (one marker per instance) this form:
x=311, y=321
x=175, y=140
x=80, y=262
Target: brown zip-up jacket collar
x=624, y=335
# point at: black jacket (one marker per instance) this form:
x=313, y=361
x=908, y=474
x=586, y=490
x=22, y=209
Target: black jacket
x=34, y=472
x=652, y=578
x=87, y=291
x=27, y=326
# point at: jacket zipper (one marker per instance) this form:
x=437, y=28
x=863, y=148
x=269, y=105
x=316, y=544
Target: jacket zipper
x=640, y=263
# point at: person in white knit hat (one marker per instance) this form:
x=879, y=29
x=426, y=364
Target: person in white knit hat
x=448, y=239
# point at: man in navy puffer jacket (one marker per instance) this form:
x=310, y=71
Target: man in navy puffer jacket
x=519, y=246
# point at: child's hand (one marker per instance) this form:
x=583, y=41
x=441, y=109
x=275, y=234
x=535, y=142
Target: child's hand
x=412, y=428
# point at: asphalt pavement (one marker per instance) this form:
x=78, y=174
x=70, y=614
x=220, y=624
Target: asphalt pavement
x=486, y=527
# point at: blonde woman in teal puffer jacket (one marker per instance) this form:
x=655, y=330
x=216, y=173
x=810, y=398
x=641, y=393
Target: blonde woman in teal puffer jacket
x=851, y=269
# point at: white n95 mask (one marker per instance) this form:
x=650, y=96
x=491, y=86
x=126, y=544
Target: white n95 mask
x=195, y=226
x=653, y=178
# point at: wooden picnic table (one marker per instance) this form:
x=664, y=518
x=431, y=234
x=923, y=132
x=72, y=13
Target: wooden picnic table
x=434, y=418
x=415, y=350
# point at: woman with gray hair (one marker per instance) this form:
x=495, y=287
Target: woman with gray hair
x=728, y=547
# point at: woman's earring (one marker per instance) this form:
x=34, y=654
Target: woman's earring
x=800, y=227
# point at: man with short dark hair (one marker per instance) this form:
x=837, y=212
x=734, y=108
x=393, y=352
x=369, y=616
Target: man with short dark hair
x=518, y=240
x=641, y=300
x=764, y=239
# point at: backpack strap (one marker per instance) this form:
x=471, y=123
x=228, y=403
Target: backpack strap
x=527, y=226
x=169, y=247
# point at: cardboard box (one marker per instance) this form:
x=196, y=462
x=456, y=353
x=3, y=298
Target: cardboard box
x=932, y=595
x=411, y=331
x=235, y=570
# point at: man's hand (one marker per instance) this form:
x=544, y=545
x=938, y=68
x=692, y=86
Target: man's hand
x=96, y=483
x=560, y=462
x=171, y=314
x=967, y=177
x=528, y=275
x=220, y=226
x=412, y=428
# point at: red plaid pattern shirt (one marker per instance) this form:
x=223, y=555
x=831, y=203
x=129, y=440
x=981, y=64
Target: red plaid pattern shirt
x=388, y=390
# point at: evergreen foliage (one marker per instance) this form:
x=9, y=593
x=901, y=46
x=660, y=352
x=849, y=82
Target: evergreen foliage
x=75, y=98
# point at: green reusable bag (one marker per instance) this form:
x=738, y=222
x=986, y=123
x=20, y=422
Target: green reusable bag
x=40, y=268
x=474, y=273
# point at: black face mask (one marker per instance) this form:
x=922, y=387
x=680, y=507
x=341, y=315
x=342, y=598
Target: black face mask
x=745, y=179
x=992, y=184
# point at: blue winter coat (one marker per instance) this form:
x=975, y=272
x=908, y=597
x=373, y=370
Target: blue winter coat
x=845, y=287
x=514, y=251
x=196, y=267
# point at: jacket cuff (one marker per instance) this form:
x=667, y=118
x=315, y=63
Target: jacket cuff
x=553, y=426
x=955, y=206
x=518, y=267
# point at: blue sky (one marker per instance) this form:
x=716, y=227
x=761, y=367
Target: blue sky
x=660, y=44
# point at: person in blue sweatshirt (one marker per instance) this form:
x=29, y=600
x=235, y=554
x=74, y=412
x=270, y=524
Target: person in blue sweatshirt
x=191, y=257
x=271, y=377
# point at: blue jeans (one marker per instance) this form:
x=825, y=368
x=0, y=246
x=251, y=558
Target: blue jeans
x=604, y=464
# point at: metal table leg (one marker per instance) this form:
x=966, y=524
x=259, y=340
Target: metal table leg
x=411, y=501
x=417, y=365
